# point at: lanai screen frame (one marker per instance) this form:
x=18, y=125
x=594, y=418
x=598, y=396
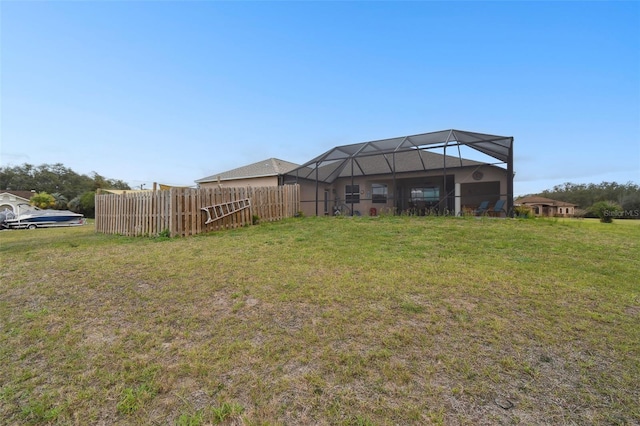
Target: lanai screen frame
x=334, y=161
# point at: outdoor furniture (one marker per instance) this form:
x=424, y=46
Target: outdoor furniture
x=482, y=208
x=498, y=208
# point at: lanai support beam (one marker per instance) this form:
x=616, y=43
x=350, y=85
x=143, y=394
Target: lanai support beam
x=510, y=176
x=396, y=210
x=444, y=172
x=317, y=184
x=352, y=160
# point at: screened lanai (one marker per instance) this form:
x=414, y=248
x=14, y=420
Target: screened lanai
x=402, y=172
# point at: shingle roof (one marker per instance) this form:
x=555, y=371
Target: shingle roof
x=268, y=167
x=534, y=199
x=124, y=191
x=23, y=194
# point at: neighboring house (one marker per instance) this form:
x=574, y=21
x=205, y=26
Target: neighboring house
x=9, y=200
x=268, y=172
x=542, y=206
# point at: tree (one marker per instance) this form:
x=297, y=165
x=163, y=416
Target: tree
x=88, y=203
x=631, y=202
x=74, y=204
x=43, y=200
x=54, y=178
x=60, y=201
x=585, y=195
x=102, y=182
x=17, y=178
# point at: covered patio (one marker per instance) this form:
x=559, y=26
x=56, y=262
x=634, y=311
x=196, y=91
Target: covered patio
x=420, y=174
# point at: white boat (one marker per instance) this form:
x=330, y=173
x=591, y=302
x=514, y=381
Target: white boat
x=31, y=217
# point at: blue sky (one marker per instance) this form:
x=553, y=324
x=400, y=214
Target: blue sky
x=171, y=92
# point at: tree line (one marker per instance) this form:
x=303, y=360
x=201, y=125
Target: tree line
x=57, y=186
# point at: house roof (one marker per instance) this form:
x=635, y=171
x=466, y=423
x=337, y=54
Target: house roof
x=22, y=194
x=124, y=191
x=402, y=154
x=264, y=168
x=534, y=199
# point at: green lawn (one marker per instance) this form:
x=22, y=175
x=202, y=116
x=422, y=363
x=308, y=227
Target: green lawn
x=341, y=321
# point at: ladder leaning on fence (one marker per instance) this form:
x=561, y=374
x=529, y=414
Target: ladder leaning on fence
x=218, y=211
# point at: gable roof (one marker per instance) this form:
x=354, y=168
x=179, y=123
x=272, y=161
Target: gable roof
x=534, y=199
x=26, y=195
x=264, y=168
x=402, y=154
x=124, y=191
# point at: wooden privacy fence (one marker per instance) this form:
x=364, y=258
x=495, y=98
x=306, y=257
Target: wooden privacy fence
x=188, y=211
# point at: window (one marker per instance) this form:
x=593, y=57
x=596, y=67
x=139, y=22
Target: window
x=352, y=194
x=427, y=194
x=378, y=193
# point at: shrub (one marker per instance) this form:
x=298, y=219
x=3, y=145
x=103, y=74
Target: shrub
x=386, y=211
x=580, y=213
x=605, y=210
x=524, y=212
x=43, y=200
x=85, y=204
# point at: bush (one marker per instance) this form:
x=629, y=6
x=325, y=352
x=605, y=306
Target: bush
x=88, y=203
x=605, y=210
x=524, y=212
x=42, y=200
x=580, y=213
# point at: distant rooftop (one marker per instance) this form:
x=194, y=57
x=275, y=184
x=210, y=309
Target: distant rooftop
x=22, y=194
x=534, y=199
x=264, y=168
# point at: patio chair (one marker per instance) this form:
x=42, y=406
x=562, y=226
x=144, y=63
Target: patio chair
x=482, y=208
x=498, y=208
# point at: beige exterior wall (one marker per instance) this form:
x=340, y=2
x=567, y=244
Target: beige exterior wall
x=11, y=202
x=472, y=190
x=491, y=187
x=551, y=211
x=326, y=197
x=252, y=182
x=565, y=211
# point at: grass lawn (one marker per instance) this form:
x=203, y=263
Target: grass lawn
x=336, y=321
